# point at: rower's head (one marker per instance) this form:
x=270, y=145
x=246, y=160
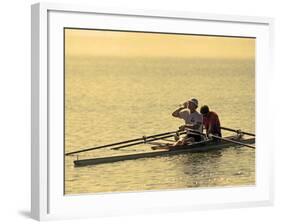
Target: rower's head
x=204, y=110
x=192, y=104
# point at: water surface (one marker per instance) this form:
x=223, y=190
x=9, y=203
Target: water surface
x=109, y=99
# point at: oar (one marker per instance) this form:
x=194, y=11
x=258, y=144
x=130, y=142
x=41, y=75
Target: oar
x=238, y=131
x=146, y=141
x=119, y=143
x=232, y=141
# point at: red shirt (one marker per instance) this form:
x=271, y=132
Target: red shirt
x=212, y=123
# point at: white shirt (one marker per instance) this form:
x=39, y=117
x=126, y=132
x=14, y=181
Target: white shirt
x=192, y=118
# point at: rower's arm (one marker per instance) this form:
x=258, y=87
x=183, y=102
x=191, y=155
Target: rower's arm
x=208, y=131
x=211, y=129
x=176, y=113
x=214, y=123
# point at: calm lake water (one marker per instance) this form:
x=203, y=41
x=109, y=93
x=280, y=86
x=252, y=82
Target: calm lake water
x=110, y=99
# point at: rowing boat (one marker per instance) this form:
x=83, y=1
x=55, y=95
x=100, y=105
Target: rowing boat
x=203, y=146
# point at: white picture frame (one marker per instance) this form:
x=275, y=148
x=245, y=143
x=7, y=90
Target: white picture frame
x=48, y=200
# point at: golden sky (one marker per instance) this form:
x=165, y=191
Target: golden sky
x=112, y=43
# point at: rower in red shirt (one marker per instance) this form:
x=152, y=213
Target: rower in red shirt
x=211, y=121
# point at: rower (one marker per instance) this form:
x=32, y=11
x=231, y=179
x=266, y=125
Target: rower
x=193, y=120
x=211, y=121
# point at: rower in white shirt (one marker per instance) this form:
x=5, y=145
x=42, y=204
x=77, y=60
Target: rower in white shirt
x=193, y=120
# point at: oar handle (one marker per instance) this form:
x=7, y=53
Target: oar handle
x=146, y=141
x=195, y=132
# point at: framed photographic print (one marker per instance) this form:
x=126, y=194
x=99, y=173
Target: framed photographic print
x=138, y=111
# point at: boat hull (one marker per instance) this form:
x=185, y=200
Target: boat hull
x=196, y=147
